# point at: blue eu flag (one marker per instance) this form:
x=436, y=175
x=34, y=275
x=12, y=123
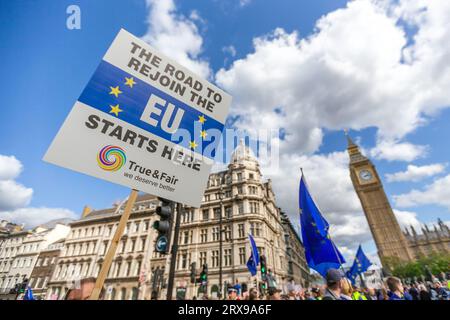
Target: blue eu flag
x=321, y=253
x=253, y=261
x=360, y=265
x=28, y=294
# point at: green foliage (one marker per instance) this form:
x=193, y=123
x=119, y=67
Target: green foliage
x=434, y=264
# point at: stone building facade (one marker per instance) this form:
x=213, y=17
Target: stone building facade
x=44, y=268
x=85, y=248
x=429, y=242
x=247, y=204
x=20, y=252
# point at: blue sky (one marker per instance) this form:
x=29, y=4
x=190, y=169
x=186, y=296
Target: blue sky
x=45, y=66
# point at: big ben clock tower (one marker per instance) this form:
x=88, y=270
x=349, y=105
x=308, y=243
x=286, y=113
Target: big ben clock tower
x=385, y=229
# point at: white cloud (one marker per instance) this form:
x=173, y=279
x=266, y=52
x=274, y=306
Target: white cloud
x=12, y=194
x=437, y=193
x=243, y=3
x=231, y=50
x=14, y=198
x=357, y=70
x=400, y=151
x=176, y=35
x=407, y=219
x=416, y=173
x=32, y=217
x=10, y=167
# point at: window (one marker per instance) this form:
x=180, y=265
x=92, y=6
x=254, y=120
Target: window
x=126, y=272
x=251, y=176
x=203, y=235
x=228, y=194
x=240, y=190
x=202, y=258
x=132, y=245
x=185, y=237
x=207, y=198
x=215, y=258
x=121, y=246
x=227, y=257
x=227, y=233
x=255, y=229
x=134, y=293
x=215, y=233
x=241, y=230
x=239, y=176
x=241, y=207
x=205, y=214
x=118, y=265
x=254, y=207
x=183, y=260
x=217, y=212
x=138, y=268
x=142, y=244
x=123, y=294
x=252, y=189
x=228, y=211
x=242, y=256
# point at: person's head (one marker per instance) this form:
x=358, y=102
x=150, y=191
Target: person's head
x=335, y=279
x=437, y=284
x=232, y=294
x=346, y=287
x=274, y=294
x=371, y=291
x=307, y=294
x=292, y=293
x=394, y=284
x=315, y=292
x=253, y=294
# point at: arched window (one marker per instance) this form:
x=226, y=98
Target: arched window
x=134, y=293
x=214, y=290
x=123, y=294
x=113, y=294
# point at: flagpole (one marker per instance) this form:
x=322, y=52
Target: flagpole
x=329, y=236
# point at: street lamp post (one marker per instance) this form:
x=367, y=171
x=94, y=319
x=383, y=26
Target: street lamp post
x=220, y=238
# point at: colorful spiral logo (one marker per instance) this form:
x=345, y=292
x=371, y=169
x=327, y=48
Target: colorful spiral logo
x=111, y=158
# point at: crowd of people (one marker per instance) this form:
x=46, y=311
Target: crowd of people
x=338, y=287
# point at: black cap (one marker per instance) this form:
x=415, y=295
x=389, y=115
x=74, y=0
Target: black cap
x=334, y=275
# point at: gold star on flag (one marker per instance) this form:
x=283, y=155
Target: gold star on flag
x=201, y=119
x=130, y=82
x=192, y=145
x=115, y=109
x=115, y=91
x=203, y=134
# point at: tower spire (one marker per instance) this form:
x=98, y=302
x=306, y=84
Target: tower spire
x=353, y=149
x=350, y=143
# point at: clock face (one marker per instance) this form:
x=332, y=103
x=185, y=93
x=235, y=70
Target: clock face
x=365, y=175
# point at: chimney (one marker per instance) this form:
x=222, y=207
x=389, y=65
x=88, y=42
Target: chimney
x=86, y=211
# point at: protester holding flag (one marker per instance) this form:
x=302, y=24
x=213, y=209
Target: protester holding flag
x=320, y=252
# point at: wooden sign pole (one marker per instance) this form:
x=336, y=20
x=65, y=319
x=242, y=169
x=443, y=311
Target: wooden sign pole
x=112, y=248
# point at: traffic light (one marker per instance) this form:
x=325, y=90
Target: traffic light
x=193, y=273
x=164, y=225
x=263, y=268
x=204, y=275
x=23, y=286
